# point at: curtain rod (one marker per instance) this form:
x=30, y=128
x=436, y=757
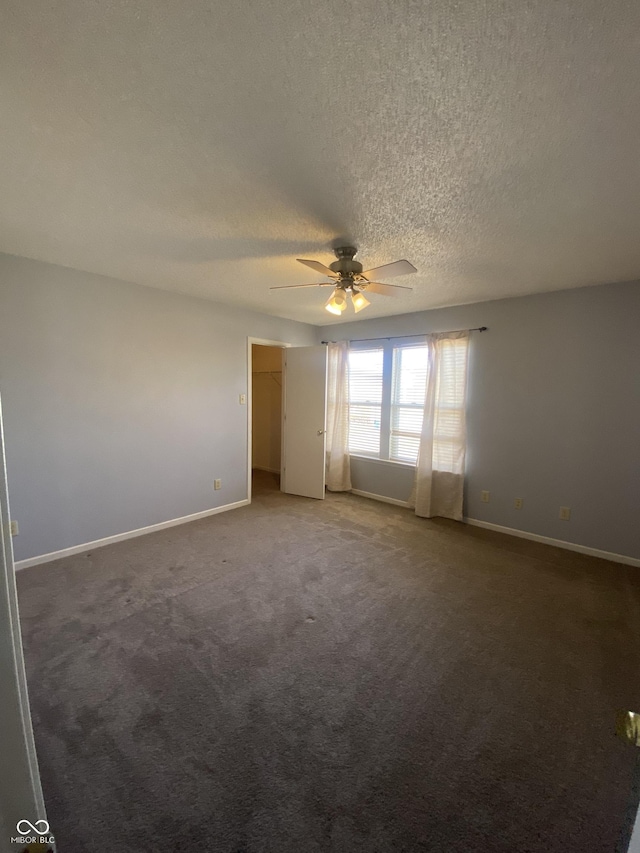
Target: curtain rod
x=417, y=335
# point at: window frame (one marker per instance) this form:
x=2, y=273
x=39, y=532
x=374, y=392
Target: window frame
x=388, y=345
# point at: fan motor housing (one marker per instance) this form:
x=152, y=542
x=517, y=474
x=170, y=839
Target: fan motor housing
x=345, y=266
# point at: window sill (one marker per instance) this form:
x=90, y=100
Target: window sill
x=379, y=461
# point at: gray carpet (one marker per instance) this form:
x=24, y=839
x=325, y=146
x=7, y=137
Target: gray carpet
x=300, y=676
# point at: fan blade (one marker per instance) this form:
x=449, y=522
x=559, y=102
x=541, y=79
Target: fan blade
x=287, y=286
x=384, y=289
x=318, y=267
x=390, y=270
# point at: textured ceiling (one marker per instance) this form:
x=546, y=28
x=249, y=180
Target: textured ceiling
x=203, y=146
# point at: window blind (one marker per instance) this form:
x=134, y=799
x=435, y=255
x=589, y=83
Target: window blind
x=409, y=382
x=365, y=400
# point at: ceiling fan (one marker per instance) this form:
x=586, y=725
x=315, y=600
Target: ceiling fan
x=348, y=280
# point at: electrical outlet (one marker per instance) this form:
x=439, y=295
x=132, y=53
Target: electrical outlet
x=484, y=497
x=217, y=484
x=14, y=529
x=243, y=399
x=518, y=503
x=565, y=513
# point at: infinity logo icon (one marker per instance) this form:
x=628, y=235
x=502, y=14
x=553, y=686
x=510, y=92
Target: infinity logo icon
x=35, y=828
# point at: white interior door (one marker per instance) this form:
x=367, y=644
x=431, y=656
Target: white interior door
x=303, y=429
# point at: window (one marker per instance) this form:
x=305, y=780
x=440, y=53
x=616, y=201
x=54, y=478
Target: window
x=407, y=402
x=365, y=400
x=387, y=385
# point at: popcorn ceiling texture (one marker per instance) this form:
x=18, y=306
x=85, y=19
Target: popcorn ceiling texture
x=201, y=147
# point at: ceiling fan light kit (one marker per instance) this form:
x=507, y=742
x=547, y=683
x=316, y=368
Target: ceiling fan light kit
x=337, y=302
x=347, y=278
x=359, y=301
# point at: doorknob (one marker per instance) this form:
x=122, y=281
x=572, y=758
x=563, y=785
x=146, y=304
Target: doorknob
x=320, y=432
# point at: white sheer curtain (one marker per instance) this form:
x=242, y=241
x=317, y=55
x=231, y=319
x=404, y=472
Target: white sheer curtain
x=338, y=477
x=439, y=481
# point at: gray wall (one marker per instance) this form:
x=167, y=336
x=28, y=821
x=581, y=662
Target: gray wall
x=380, y=477
x=120, y=402
x=121, y=406
x=553, y=412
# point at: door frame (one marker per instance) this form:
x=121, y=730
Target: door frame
x=262, y=342
x=20, y=789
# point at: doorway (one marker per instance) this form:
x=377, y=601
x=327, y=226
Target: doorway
x=265, y=362
x=266, y=409
x=286, y=413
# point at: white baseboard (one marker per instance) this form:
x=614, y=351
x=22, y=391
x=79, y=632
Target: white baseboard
x=130, y=534
x=557, y=543
x=174, y=522
x=380, y=498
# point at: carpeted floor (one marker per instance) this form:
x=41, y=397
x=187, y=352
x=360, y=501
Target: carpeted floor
x=301, y=676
